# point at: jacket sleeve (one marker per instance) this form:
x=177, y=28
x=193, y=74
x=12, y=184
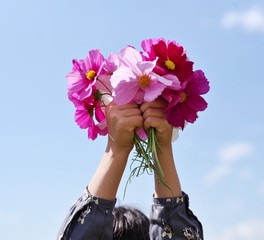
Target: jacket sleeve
x=171, y=218
x=89, y=218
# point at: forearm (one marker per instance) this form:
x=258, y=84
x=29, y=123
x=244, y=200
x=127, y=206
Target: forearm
x=170, y=176
x=105, y=182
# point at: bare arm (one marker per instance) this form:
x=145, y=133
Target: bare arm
x=122, y=122
x=95, y=206
x=170, y=217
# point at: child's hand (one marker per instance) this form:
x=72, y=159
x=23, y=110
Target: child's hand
x=154, y=116
x=122, y=121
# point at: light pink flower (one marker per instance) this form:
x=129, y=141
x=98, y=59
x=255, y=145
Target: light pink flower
x=135, y=81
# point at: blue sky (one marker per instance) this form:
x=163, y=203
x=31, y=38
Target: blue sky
x=46, y=160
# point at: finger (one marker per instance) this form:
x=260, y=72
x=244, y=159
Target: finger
x=113, y=105
x=154, y=112
x=124, y=110
x=131, y=112
x=127, y=106
x=155, y=122
x=129, y=124
x=158, y=103
x=137, y=122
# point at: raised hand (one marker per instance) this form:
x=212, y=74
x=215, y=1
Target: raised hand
x=122, y=121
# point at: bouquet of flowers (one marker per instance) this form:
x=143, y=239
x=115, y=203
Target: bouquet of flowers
x=160, y=70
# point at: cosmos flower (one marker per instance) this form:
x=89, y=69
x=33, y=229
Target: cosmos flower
x=172, y=58
x=88, y=111
x=135, y=81
x=84, y=74
x=89, y=89
x=184, y=104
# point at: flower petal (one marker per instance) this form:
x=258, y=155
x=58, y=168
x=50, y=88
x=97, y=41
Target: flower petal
x=96, y=58
x=197, y=84
x=197, y=103
x=153, y=91
x=190, y=115
x=129, y=57
x=142, y=134
x=146, y=66
x=175, y=117
x=125, y=92
x=82, y=119
x=102, y=128
x=122, y=73
x=92, y=131
x=85, y=93
x=176, y=84
x=99, y=114
x=162, y=79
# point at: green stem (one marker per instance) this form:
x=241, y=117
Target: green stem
x=154, y=147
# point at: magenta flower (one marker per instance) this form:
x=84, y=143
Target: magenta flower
x=172, y=58
x=135, y=81
x=84, y=74
x=90, y=91
x=184, y=104
x=88, y=111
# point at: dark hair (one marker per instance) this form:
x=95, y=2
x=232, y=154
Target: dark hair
x=130, y=224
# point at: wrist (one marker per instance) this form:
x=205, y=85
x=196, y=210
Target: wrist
x=165, y=152
x=117, y=150
x=117, y=155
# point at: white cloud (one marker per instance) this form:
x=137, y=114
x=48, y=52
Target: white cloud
x=235, y=151
x=246, y=230
x=217, y=173
x=227, y=156
x=249, y=20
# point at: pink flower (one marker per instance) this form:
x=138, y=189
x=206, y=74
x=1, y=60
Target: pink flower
x=185, y=103
x=90, y=91
x=172, y=58
x=135, y=81
x=88, y=111
x=84, y=74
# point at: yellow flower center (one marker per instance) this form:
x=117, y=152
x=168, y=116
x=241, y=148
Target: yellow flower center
x=90, y=75
x=170, y=64
x=144, y=81
x=183, y=97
